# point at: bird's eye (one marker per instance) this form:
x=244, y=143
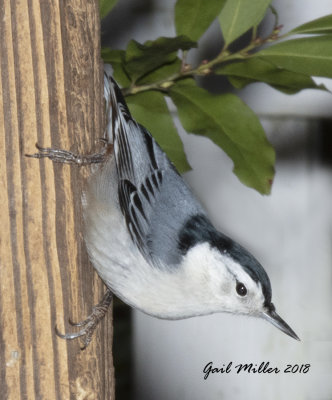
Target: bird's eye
x=241, y=289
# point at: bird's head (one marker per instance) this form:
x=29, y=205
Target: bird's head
x=233, y=279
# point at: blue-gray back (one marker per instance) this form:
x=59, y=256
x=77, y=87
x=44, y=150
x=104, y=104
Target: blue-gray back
x=154, y=199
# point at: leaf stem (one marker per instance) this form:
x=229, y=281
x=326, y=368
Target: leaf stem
x=206, y=67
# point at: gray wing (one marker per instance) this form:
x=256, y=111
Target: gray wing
x=154, y=199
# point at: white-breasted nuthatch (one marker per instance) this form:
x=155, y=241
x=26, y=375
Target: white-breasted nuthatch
x=150, y=239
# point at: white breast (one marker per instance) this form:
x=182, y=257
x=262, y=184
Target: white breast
x=170, y=292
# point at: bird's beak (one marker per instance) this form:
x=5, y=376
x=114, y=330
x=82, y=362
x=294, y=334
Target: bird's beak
x=271, y=316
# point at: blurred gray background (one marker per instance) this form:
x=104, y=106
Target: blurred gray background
x=290, y=232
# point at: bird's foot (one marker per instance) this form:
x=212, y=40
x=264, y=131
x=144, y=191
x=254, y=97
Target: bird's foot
x=68, y=157
x=89, y=325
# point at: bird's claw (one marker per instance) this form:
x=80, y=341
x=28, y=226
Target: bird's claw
x=89, y=324
x=68, y=157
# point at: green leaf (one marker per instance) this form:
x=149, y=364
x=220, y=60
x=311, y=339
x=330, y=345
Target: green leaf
x=309, y=56
x=252, y=70
x=232, y=125
x=238, y=16
x=105, y=6
x=240, y=83
x=317, y=26
x=144, y=58
x=193, y=17
x=150, y=110
x=116, y=59
x=162, y=73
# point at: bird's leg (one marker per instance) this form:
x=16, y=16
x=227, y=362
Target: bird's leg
x=89, y=325
x=98, y=312
x=67, y=157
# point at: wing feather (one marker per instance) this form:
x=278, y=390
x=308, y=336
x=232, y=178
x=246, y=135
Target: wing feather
x=150, y=190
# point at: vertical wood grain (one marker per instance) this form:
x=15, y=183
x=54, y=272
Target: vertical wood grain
x=50, y=93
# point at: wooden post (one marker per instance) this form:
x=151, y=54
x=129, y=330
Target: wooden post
x=50, y=93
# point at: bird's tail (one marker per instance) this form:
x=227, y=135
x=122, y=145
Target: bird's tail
x=115, y=103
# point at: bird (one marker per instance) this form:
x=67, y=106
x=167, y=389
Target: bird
x=150, y=239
